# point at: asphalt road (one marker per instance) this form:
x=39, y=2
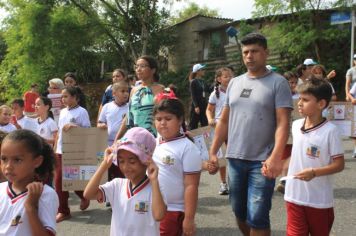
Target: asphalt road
x=214, y=216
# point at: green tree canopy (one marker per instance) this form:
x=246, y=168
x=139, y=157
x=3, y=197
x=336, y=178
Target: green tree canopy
x=191, y=10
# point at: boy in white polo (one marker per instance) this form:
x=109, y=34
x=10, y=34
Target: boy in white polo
x=137, y=202
x=317, y=153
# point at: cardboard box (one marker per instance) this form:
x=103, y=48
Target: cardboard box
x=83, y=151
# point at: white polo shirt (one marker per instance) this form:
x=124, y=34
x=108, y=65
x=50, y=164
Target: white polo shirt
x=46, y=128
x=112, y=115
x=28, y=123
x=76, y=115
x=313, y=148
x=131, y=208
x=8, y=128
x=175, y=158
x=13, y=217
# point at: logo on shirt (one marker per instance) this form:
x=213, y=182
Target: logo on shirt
x=313, y=152
x=72, y=120
x=16, y=221
x=141, y=207
x=246, y=93
x=168, y=160
x=42, y=131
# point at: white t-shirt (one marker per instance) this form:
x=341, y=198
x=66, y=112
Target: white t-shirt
x=77, y=115
x=56, y=105
x=13, y=217
x=218, y=102
x=131, y=208
x=28, y=123
x=112, y=115
x=8, y=128
x=46, y=128
x=313, y=148
x=175, y=158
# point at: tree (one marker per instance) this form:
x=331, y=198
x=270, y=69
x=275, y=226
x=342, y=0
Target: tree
x=191, y=10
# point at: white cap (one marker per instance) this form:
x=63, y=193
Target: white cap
x=354, y=56
x=197, y=67
x=309, y=62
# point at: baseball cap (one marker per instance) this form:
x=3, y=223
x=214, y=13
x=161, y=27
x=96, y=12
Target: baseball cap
x=272, y=68
x=138, y=141
x=197, y=67
x=309, y=62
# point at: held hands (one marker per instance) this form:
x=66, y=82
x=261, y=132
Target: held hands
x=152, y=171
x=188, y=227
x=271, y=168
x=213, y=164
x=306, y=174
x=34, y=193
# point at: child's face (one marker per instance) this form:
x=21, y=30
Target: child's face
x=69, y=81
x=293, y=84
x=121, y=94
x=18, y=111
x=5, y=116
x=40, y=107
x=225, y=78
x=17, y=163
x=318, y=73
x=308, y=105
x=116, y=77
x=167, y=125
x=69, y=100
x=131, y=166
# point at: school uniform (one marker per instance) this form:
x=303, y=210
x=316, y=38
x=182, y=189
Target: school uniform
x=46, y=128
x=131, y=208
x=13, y=218
x=8, y=128
x=28, y=123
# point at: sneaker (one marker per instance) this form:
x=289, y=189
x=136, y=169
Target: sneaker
x=280, y=187
x=223, y=189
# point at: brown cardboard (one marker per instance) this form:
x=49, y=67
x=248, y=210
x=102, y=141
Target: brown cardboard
x=83, y=151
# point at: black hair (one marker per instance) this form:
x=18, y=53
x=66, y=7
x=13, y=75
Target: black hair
x=319, y=88
x=300, y=69
x=18, y=101
x=254, y=38
x=289, y=75
x=152, y=64
x=37, y=146
x=172, y=106
x=320, y=67
x=219, y=73
x=174, y=89
x=75, y=91
x=71, y=75
x=47, y=102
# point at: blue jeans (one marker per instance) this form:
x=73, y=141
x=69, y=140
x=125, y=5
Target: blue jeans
x=250, y=193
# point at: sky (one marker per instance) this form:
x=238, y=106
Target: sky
x=235, y=9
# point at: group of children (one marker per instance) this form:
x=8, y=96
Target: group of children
x=159, y=194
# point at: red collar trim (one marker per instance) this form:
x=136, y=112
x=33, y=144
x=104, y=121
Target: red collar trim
x=132, y=192
x=180, y=136
x=304, y=131
x=13, y=196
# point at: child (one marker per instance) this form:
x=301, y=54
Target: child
x=27, y=207
x=137, y=202
x=213, y=113
x=317, y=154
x=179, y=163
x=20, y=120
x=47, y=127
x=29, y=99
x=111, y=117
x=2, y=136
x=71, y=116
x=293, y=81
x=5, y=117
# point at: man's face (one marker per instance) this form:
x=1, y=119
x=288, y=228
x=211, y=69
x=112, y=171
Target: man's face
x=254, y=57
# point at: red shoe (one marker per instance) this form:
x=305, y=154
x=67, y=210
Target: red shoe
x=84, y=204
x=61, y=217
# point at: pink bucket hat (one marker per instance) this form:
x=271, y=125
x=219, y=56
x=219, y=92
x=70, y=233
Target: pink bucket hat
x=138, y=141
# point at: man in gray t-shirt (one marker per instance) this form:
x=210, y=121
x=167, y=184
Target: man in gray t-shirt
x=255, y=121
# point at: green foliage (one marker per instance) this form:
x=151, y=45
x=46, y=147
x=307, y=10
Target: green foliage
x=191, y=10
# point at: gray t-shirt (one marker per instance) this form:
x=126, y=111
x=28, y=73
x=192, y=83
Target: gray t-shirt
x=252, y=119
x=351, y=73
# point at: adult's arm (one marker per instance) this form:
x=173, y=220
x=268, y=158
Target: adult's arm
x=272, y=167
x=347, y=88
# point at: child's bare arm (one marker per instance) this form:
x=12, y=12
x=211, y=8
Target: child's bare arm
x=92, y=190
x=210, y=114
x=31, y=206
x=191, y=184
x=159, y=208
x=335, y=166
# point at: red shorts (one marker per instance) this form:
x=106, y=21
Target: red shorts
x=303, y=220
x=172, y=223
x=287, y=151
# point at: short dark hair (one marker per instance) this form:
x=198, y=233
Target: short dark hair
x=300, y=68
x=18, y=101
x=254, y=38
x=289, y=75
x=319, y=88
